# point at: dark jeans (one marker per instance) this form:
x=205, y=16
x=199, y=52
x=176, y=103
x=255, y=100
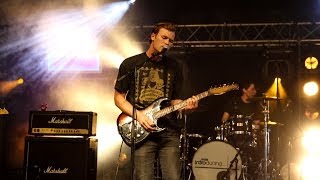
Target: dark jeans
x=164, y=144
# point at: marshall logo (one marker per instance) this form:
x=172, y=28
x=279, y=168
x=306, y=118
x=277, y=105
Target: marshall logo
x=54, y=120
x=51, y=170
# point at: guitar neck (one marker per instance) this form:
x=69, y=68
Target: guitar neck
x=178, y=106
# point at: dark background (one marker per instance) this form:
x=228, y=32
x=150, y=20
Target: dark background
x=217, y=12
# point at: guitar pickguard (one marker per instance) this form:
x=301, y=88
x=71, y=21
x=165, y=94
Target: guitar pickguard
x=125, y=124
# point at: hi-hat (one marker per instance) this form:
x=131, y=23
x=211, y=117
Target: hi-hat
x=268, y=98
x=271, y=123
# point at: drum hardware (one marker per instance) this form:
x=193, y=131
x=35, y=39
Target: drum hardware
x=269, y=172
x=271, y=123
x=266, y=106
x=183, y=157
x=185, y=144
x=221, y=132
x=266, y=98
x=193, y=142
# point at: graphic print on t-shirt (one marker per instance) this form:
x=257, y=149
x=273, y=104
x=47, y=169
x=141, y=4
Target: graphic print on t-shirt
x=150, y=85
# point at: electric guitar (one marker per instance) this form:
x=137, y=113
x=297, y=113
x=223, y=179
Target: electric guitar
x=154, y=112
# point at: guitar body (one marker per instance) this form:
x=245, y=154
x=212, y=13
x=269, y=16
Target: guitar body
x=124, y=123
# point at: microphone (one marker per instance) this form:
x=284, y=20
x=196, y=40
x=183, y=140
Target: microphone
x=164, y=49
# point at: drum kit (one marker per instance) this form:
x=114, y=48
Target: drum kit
x=240, y=150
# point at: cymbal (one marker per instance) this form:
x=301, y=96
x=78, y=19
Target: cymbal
x=271, y=123
x=268, y=98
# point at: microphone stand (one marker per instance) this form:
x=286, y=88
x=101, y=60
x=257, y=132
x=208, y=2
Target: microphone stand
x=133, y=124
x=234, y=160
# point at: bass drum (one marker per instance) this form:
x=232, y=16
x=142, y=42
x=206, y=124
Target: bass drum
x=212, y=160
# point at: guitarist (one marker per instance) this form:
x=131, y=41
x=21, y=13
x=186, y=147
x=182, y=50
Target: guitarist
x=156, y=76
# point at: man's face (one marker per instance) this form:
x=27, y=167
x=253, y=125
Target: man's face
x=250, y=92
x=163, y=38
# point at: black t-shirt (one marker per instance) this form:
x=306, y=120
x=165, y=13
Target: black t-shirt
x=154, y=80
x=236, y=106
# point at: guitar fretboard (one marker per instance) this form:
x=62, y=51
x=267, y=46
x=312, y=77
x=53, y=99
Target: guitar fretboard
x=178, y=106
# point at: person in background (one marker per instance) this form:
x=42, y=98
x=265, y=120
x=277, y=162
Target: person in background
x=243, y=105
x=242, y=115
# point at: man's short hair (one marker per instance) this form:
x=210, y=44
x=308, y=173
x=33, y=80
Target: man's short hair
x=166, y=25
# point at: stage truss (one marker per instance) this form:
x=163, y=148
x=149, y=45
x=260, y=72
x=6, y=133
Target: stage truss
x=236, y=35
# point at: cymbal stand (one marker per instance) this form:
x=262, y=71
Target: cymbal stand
x=266, y=107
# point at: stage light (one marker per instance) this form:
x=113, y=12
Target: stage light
x=311, y=63
x=7, y=86
x=310, y=141
x=310, y=88
x=131, y=2
x=310, y=153
x=295, y=171
x=20, y=81
x=310, y=101
x=309, y=168
x=311, y=112
x=277, y=89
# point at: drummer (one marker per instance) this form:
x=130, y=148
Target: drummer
x=244, y=105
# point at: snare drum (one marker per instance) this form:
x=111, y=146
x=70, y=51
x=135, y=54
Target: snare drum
x=212, y=160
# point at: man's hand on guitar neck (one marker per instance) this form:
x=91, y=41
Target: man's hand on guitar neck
x=191, y=104
x=145, y=122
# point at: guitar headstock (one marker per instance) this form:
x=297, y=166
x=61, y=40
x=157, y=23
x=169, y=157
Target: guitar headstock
x=223, y=89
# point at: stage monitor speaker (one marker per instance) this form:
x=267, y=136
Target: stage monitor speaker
x=53, y=158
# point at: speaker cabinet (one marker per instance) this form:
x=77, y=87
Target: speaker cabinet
x=53, y=158
x=3, y=136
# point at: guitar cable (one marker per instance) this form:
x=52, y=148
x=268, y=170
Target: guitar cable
x=118, y=161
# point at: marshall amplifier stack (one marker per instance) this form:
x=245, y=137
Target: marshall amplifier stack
x=61, y=145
